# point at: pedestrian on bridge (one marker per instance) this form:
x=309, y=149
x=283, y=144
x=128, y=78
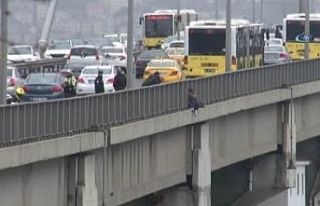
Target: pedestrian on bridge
x=193, y=102
x=70, y=84
x=120, y=82
x=98, y=83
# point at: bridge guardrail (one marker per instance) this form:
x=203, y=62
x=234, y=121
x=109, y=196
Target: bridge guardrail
x=45, y=65
x=52, y=119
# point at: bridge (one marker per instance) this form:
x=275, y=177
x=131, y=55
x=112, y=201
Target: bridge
x=115, y=148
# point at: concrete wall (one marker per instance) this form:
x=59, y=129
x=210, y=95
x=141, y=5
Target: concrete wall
x=41, y=183
x=307, y=113
x=143, y=166
x=244, y=134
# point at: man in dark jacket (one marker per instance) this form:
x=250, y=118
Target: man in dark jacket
x=193, y=102
x=120, y=81
x=98, y=83
x=153, y=79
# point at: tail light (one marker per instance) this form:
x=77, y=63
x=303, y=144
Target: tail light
x=97, y=57
x=12, y=82
x=110, y=81
x=146, y=73
x=234, y=60
x=122, y=58
x=80, y=80
x=283, y=55
x=26, y=88
x=174, y=73
x=56, y=88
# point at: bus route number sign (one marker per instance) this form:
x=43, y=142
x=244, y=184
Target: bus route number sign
x=158, y=17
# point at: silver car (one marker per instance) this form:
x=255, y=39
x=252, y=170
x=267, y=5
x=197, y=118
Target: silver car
x=88, y=75
x=276, y=54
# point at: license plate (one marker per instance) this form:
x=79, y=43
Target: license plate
x=38, y=99
x=209, y=70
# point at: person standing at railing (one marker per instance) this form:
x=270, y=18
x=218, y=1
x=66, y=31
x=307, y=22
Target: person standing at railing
x=98, y=83
x=120, y=81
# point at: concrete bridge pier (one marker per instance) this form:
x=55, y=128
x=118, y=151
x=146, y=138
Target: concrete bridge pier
x=286, y=176
x=201, y=175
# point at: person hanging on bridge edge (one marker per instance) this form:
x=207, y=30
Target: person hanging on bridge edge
x=193, y=102
x=153, y=79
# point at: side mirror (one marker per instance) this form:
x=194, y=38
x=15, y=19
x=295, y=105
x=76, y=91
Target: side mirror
x=184, y=68
x=283, y=44
x=268, y=34
x=140, y=20
x=107, y=55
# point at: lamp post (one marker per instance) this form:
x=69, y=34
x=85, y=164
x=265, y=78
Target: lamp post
x=3, y=55
x=228, y=36
x=307, y=28
x=130, y=44
x=291, y=166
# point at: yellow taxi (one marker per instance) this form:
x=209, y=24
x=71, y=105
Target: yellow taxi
x=176, y=54
x=170, y=70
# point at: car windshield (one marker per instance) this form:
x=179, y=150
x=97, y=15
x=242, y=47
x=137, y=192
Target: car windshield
x=60, y=45
x=77, y=42
x=152, y=55
x=95, y=71
x=19, y=50
x=83, y=51
x=112, y=50
x=170, y=39
x=175, y=51
x=42, y=78
x=177, y=44
x=161, y=64
x=274, y=49
x=274, y=41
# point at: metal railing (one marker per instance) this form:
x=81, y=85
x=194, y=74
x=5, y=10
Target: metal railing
x=45, y=65
x=52, y=119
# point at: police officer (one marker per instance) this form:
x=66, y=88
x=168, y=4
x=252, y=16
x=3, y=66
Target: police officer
x=70, y=84
x=18, y=95
x=98, y=83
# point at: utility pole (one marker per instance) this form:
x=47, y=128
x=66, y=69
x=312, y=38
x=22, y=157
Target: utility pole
x=253, y=11
x=45, y=34
x=307, y=29
x=216, y=7
x=261, y=11
x=130, y=44
x=228, y=36
x=179, y=19
x=3, y=50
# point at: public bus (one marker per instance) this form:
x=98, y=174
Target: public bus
x=293, y=27
x=163, y=23
x=205, y=47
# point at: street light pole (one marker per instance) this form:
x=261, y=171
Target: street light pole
x=3, y=50
x=307, y=29
x=253, y=11
x=178, y=23
x=216, y=7
x=130, y=44
x=261, y=11
x=228, y=36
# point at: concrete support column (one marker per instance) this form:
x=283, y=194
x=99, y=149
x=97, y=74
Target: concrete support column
x=201, y=180
x=286, y=175
x=89, y=188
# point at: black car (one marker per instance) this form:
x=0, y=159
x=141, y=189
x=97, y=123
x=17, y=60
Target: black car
x=144, y=58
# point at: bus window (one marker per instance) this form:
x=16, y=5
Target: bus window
x=158, y=25
x=207, y=41
x=294, y=28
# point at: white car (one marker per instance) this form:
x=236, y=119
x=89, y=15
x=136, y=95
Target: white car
x=114, y=39
x=176, y=44
x=88, y=75
x=58, y=49
x=274, y=41
x=115, y=55
x=84, y=55
x=22, y=53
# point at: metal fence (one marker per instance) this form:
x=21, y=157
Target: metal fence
x=52, y=119
x=46, y=65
